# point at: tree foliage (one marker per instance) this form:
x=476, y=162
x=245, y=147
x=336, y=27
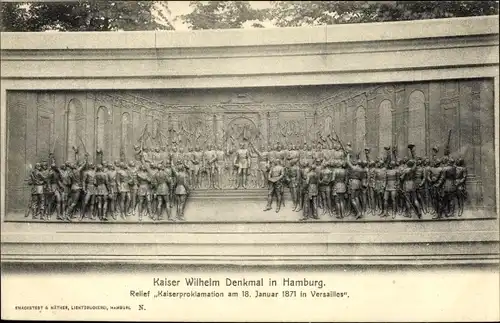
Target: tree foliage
x=154, y=15
x=85, y=16
x=222, y=15
x=306, y=13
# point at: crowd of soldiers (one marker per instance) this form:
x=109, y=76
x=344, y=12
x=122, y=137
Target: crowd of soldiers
x=328, y=177
x=82, y=189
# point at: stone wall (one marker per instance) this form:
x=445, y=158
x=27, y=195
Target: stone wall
x=43, y=121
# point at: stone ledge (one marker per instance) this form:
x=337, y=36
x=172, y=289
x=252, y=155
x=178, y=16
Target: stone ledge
x=249, y=37
x=451, y=242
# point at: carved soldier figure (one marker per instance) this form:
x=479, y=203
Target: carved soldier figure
x=408, y=178
x=181, y=191
x=318, y=155
x=294, y=176
x=281, y=153
x=325, y=181
x=176, y=157
x=144, y=190
x=172, y=181
x=123, y=181
x=242, y=161
x=380, y=174
x=138, y=153
x=263, y=165
x=339, y=186
x=101, y=193
x=337, y=152
x=197, y=164
x=57, y=189
x=162, y=182
x=53, y=196
x=303, y=190
x=273, y=153
x=312, y=182
x=420, y=184
x=364, y=185
x=112, y=189
x=309, y=154
x=47, y=189
x=220, y=166
x=275, y=177
x=37, y=181
x=64, y=173
x=432, y=178
x=146, y=155
x=156, y=156
x=446, y=184
x=134, y=187
x=460, y=181
x=391, y=189
x=209, y=161
x=356, y=173
x=89, y=191
x=76, y=177
x=293, y=154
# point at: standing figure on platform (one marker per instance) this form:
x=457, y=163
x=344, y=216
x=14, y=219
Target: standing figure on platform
x=355, y=177
x=112, y=190
x=197, y=164
x=325, y=181
x=162, y=182
x=209, y=161
x=181, y=191
x=37, y=182
x=89, y=191
x=144, y=192
x=219, y=167
x=460, y=181
x=123, y=180
x=275, y=178
x=294, y=176
x=339, y=186
x=134, y=188
x=102, y=191
x=242, y=161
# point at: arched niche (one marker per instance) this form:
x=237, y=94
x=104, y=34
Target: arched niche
x=75, y=127
x=385, y=125
x=103, y=131
x=360, y=129
x=417, y=121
